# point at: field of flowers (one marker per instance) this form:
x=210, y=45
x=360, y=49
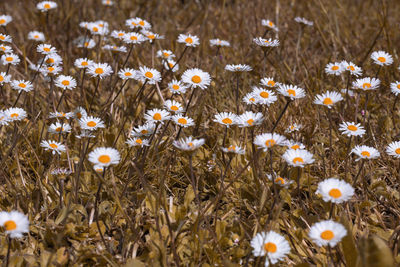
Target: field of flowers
x=199, y=133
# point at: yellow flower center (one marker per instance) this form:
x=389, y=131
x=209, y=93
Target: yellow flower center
x=50, y=60
x=175, y=87
x=189, y=40
x=264, y=94
x=351, y=68
x=104, y=159
x=365, y=154
x=291, y=92
x=91, y=124
x=144, y=131
x=157, y=116
x=166, y=54
x=190, y=144
x=52, y=145
x=227, y=121
x=2, y=37
x=10, y=225
x=352, y=128
x=22, y=85
x=335, y=193
x=328, y=101
x=174, y=108
x=366, y=85
x=335, y=67
x=270, y=247
x=1, y=78
x=196, y=79
x=65, y=83
x=141, y=23
x=294, y=147
x=270, y=143
x=151, y=36
x=84, y=63
x=50, y=69
x=327, y=235
x=297, y=160
x=271, y=24
x=148, y=75
x=2, y=21
x=271, y=83
x=250, y=122
x=398, y=86
x=14, y=115
x=182, y=121
x=397, y=151
x=46, y=49
x=99, y=71
x=252, y=99
x=78, y=115
x=139, y=141
x=95, y=29
x=46, y=6
x=382, y=59
x=280, y=180
x=120, y=34
x=9, y=59
x=133, y=38
x=128, y=74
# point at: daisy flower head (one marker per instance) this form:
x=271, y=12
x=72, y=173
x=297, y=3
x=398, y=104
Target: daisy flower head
x=393, y=149
x=268, y=140
x=12, y=59
x=100, y=70
x=157, y=115
x=99, y=27
x=83, y=63
x=219, y=43
x=382, y=58
x=294, y=145
x=61, y=115
x=173, y=106
x=53, y=146
x=6, y=49
x=151, y=36
x=98, y=168
x=328, y=99
x=36, y=36
x=395, y=87
x=334, y=68
x=118, y=34
x=134, y=23
x=266, y=42
x=52, y=59
x=352, y=68
x=50, y=70
x=238, y=68
x=46, y=49
x=58, y=128
x=61, y=172
x=152, y=76
x=348, y=92
x=304, y=21
x=269, y=24
x=233, y=149
x=4, y=78
x=293, y=128
x=268, y=82
x=366, y=83
x=327, y=233
x=127, y=73
x=104, y=156
x=91, y=123
x=14, y=223
x=144, y=130
x=298, y=157
x=270, y=244
x=264, y=96
x=80, y=113
x=85, y=134
x=5, y=19
x=137, y=141
x=65, y=82
x=365, y=152
x=249, y=119
x=196, y=78
x=291, y=91
x=188, y=40
x=188, y=144
x=107, y=2
x=45, y=6
x=225, y=118
x=4, y=120
x=182, y=121
x=335, y=190
x=280, y=180
x=5, y=38
x=165, y=54
x=133, y=38
x=84, y=42
x=249, y=99
x=177, y=87
x=21, y=85
x=171, y=65
x=351, y=129
x=15, y=114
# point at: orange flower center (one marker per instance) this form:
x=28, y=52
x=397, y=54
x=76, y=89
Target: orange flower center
x=297, y=160
x=59, y=129
x=280, y=180
x=327, y=235
x=271, y=83
x=352, y=128
x=382, y=59
x=91, y=124
x=232, y=148
x=270, y=247
x=148, y=75
x=46, y=49
x=291, y=92
x=84, y=63
x=175, y=87
x=365, y=154
x=398, y=86
x=366, y=85
x=157, y=116
x=227, y=121
x=2, y=21
x=14, y=115
x=50, y=69
x=270, y=143
x=1, y=78
x=335, y=193
x=174, y=108
x=49, y=61
x=295, y=147
x=196, y=79
x=10, y=225
x=46, y=6
x=9, y=59
x=182, y=121
x=335, y=67
x=128, y=74
x=65, y=82
x=144, y=131
x=120, y=34
x=99, y=71
x=250, y=122
x=2, y=37
x=166, y=54
x=133, y=38
x=104, y=159
x=271, y=24
x=139, y=141
x=397, y=151
x=22, y=85
x=351, y=68
x=52, y=145
x=264, y=94
x=189, y=40
x=141, y=23
x=328, y=101
x=252, y=99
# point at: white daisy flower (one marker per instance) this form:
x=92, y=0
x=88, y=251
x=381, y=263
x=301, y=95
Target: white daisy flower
x=134, y=23
x=395, y=87
x=5, y=38
x=249, y=119
x=280, y=180
x=57, y=128
x=335, y=190
x=46, y=49
x=152, y=76
x=393, y=149
x=50, y=70
x=268, y=82
x=270, y=244
x=165, y=54
x=98, y=168
x=327, y=232
x=15, y=114
x=249, y=99
x=45, y=6
x=104, y=156
x=177, y=87
x=382, y=58
x=304, y=21
x=6, y=49
x=80, y=113
x=53, y=146
x=171, y=65
x=100, y=70
x=196, y=78
x=91, y=123
x=118, y=35
x=157, y=115
x=298, y=157
x=173, y=106
x=144, y=130
x=182, y=121
x=61, y=115
x=348, y=92
x=21, y=85
x=85, y=134
x=5, y=19
x=4, y=120
x=334, y=68
x=291, y=91
x=219, y=43
x=188, y=40
x=366, y=83
x=137, y=141
x=365, y=152
x=351, y=129
x=12, y=59
x=107, y=2
x=61, y=172
x=328, y=99
x=84, y=42
x=134, y=38
x=128, y=73
x=98, y=27
x=150, y=36
x=52, y=59
x=266, y=42
x=233, y=149
x=352, y=68
x=293, y=128
x=225, y=118
x=65, y=82
x=294, y=145
x=83, y=63
x=238, y=68
x=36, y=36
x=269, y=24
x=14, y=223
x=268, y=140
x=264, y=96
x=188, y=144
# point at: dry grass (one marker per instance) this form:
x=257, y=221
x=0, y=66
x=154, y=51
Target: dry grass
x=148, y=213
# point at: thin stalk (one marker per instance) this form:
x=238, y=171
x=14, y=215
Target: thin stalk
x=8, y=250
x=96, y=212
x=61, y=97
x=94, y=95
x=237, y=93
x=190, y=100
x=127, y=57
x=359, y=171
x=330, y=141
x=281, y=115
